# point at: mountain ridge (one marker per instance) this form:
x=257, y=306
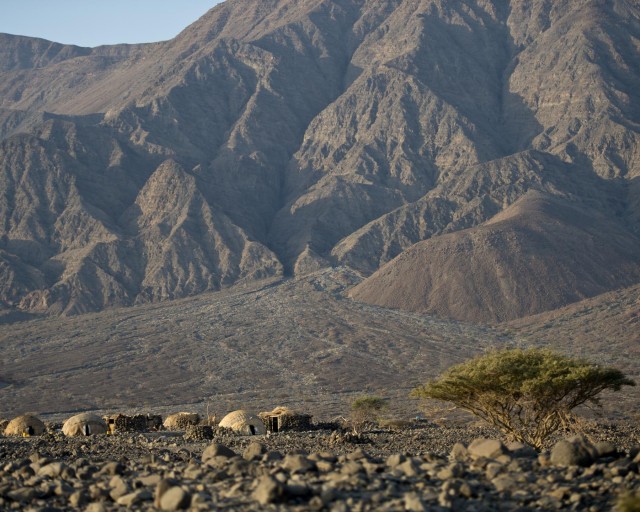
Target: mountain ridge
x=304, y=134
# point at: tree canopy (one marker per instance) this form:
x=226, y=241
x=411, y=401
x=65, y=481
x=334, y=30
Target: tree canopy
x=528, y=394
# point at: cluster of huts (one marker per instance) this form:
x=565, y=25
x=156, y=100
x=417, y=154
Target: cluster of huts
x=281, y=419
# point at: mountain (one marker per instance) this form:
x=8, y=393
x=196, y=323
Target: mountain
x=538, y=254
x=275, y=138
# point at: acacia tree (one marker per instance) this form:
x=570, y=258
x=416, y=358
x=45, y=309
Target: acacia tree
x=527, y=394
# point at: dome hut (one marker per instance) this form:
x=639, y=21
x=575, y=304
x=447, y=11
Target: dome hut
x=84, y=424
x=284, y=419
x=244, y=423
x=26, y=425
x=181, y=420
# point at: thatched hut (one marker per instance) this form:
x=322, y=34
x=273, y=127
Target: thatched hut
x=181, y=420
x=243, y=422
x=85, y=424
x=26, y=425
x=285, y=419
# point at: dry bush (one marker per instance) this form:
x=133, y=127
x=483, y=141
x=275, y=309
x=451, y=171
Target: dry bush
x=365, y=411
x=527, y=394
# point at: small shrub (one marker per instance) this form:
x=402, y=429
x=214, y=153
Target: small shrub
x=366, y=410
x=527, y=394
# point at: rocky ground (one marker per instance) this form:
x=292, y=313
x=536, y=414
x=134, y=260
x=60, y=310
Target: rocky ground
x=424, y=467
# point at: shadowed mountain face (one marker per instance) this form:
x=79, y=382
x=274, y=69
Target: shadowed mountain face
x=283, y=136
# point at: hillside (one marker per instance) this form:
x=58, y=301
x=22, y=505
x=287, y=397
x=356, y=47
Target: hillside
x=297, y=342
x=606, y=326
x=536, y=255
x=276, y=138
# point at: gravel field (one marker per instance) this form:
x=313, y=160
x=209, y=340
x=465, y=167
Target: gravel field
x=424, y=467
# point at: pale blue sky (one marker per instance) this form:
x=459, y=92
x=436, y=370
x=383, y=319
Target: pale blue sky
x=96, y=22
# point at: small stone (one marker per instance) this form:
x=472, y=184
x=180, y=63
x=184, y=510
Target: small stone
x=200, y=498
x=217, y=450
x=52, y=470
x=97, y=493
x=409, y=468
x=358, y=454
x=135, y=498
x=78, y=499
x=175, y=498
x=162, y=487
x=567, y=453
x=328, y=494
x=328, y=456
x=575, y=498
x=605, y=449
x=549, y=503
x=254, y=451
x=238, y=467
x=193, y=472
x=111, y=468
x=448, y=493
x=488, y=448
x=63, y=489
x=559, y=493
x=149, y=480
x=395, y=460
x=458, y=452
x=23, y=494
x=118, y=487
x=544, y=459
x=218, y=462
x=493, y=469
x=324, y=466
x=272, y=456
x=352, y=468
x=297, y=464
x=268, y=490
x=316, y=503
x=504, y=483
x=413, y=503
x=466, y=490
x=95, y=507
x=372, y=468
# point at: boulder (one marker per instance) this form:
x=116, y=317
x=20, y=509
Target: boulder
x=487, y=448
x=576, y=451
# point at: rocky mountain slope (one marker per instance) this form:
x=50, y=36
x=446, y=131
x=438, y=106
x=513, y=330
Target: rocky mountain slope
x=538, y=254
x=278, y=137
